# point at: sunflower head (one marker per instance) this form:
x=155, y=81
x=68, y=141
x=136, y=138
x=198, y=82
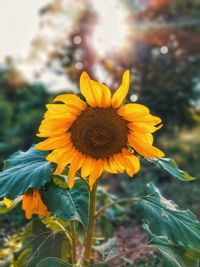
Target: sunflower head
x=98, y=134
x=32, y=204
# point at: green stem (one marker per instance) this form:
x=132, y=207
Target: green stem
x=91, y=224
x=73, y=244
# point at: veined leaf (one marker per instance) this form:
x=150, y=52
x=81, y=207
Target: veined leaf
x=164, y=218
x=68, y=204
x=55, y=224
x=170, y=165
x=24, y=170
x=23, y=257
x=174, y=255
x=53, y=262
x=42, y=243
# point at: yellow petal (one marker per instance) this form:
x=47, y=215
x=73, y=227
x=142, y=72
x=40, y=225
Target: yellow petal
x=58, y=155
x=115, y=165
x=133, y=160
x=107, y=168
x=146, y=137
x=122, y=91
x=74, y=166
x=119, y=161
x=144, y=148
x=62, y=109
x=106, y=94
x=129, y=167
x=143, y=127
x=96, y=171
x=54, y=142
x=112, y=165
x=131, y=111
x=68, y=116
x=71, y=100
x=92, y=94
x=51, y=127
x=62, y=159
x=127, y=164
x=86, y=167
x=7, y=202
x=150, y=119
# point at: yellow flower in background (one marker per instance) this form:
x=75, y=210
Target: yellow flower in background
x=7, y=202
x=32, y=204
x=100, y=134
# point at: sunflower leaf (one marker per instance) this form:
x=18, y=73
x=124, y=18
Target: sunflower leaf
x=24, y=170
x=60, y=181
x=170, y=165
x=42, y=243
x=179, y=229
x=173, y=255
x=68, y=204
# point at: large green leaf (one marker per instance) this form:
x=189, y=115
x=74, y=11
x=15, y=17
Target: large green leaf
x=24, y=170
x=40, y=242
x=68, y=204
x=174, y=255
x=174, y=232
x=164, y=218
x=170, y=165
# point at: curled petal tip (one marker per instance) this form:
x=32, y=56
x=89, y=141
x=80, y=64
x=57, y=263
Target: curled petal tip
x=84, y=75
x=127, y=72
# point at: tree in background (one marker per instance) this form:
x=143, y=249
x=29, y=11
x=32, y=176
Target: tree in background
x=161, y=50
x=20, y=113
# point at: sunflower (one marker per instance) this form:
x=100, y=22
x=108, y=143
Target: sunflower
x=32, y=204
x=99, y=134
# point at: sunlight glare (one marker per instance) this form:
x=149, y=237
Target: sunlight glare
x=111, y=31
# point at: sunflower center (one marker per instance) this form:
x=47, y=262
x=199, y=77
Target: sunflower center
x=99, y=132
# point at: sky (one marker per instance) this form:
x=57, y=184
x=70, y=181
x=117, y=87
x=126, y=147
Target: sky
x=18, y=23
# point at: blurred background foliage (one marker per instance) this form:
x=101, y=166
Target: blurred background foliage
x=158, y=40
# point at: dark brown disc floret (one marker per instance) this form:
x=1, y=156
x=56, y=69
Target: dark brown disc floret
x=99, y=132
